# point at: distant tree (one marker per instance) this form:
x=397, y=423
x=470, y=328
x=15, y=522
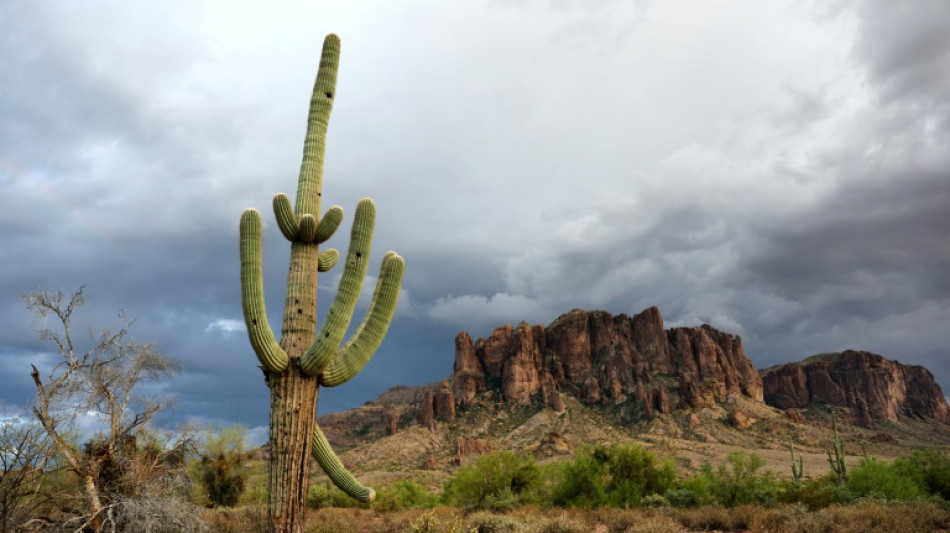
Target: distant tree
x=99, y=377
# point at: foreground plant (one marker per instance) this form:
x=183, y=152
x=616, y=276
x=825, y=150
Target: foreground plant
x=305, y=359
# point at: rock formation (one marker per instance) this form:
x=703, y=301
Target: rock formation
x=870, y=386
x=602, y=359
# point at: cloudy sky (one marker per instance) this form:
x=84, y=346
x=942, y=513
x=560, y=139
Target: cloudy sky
x=777, y=169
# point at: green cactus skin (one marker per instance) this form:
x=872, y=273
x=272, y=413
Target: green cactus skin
x=328, y=224
x=305, y=359
x=354, y=355
x=270, y=354
x=797, y=468
x=284, y=213
x=335, y=470
x=327, y=260
x=837, y=463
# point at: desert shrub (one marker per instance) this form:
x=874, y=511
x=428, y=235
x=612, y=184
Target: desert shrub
x=498, y=481
x=875, y=517
x=248, y=519
x=701, y=488
x=740, y=483
x=880, y=480
x=221, y=469
x=819, y=493
x=429, y=522
x=682, y=498
x=929, y=469
x=404, y=494
x=486, y=522
x=560, y=524
x=582, y=482
x=620, y=476
x=223, y=480
x=710, y=519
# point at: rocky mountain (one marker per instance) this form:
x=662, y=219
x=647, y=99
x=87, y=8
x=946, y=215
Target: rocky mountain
x=590, y=376
x=869, y=386
x=602, y=359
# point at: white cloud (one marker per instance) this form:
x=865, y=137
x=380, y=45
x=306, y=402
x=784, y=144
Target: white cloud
x=227, y=325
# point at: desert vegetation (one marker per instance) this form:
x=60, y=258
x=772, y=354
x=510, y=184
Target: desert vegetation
x=217, y=486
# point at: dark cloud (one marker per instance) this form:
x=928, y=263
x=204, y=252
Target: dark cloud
x=613, y=156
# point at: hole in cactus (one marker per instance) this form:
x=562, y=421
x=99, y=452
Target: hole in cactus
x=299, y=311
x=329, y=95
x=254, y=322
x=358, y=255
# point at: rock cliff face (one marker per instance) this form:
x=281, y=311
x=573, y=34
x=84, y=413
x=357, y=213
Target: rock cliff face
x=602, y=359
x=870, y=386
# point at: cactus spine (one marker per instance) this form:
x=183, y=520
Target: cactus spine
x=797, y=468
x=837, y=463
x=303, y=360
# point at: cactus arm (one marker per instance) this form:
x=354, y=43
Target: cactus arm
x=310, y=182
x=270, y=354
x=327, y=259
x=308, y=228
x=284, y=213
x=341, y=310
x=354, y=355
x=328, y=224
x=334, y=468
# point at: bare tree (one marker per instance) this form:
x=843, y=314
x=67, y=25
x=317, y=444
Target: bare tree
x=97, y=377
x=25, y=453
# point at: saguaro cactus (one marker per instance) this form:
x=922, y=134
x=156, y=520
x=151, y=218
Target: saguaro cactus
x=837, y=463
x=304, y=359
x=797, y=468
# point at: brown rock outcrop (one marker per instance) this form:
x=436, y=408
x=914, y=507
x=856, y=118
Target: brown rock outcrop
x=443, y=403
x=604, y=359
x=426, y=416
x=870, y=386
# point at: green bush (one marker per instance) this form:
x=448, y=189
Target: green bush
x=497, y=481
x=221, y=469
x=736, y=482
x=880, y=480
x=930, y=470
x=620, y=476
x=404, y=494
x=819, y=493
x=700, y=489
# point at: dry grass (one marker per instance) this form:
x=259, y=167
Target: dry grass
x=868, y=517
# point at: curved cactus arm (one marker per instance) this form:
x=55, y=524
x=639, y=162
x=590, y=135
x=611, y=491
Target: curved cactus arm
x=284, y=213
x=338, y=473
x=270, y=354
x=354, y=355
x=328, y=224
x=310, y=182
x=341, y=310
x=327, y=259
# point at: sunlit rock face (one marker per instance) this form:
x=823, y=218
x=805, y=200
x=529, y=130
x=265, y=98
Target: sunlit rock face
x=871, y=387
x=603, y=359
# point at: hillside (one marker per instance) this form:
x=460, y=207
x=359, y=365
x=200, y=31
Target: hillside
x=688, y=393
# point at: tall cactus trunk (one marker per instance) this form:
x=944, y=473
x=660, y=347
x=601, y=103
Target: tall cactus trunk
x=305, y=359
x=293, y=408
x=293, y=396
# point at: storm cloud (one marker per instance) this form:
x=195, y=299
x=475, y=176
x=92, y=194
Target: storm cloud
x=776, y=169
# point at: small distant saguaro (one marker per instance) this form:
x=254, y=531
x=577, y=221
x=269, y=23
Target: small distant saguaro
x=304, y=359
